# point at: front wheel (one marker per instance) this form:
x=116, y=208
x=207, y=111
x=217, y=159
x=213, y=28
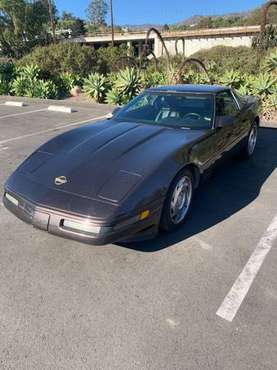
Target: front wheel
x=250, y=144
x=178, y=201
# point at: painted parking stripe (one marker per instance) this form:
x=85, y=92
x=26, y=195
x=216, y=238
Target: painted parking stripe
x=239, y=290
x=51, y=129
x=20, y=114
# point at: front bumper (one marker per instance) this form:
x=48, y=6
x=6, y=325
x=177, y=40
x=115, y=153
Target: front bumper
x=53, y=221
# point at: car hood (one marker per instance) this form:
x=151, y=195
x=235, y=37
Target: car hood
x=104, y=160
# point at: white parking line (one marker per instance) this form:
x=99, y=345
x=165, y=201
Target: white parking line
x=237, y=293
x=20, y=114
x=51, y=129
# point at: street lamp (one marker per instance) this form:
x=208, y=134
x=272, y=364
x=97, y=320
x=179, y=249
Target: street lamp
x=111, y=11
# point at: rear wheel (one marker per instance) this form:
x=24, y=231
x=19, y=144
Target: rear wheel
x=251, y=141
x=178, y=201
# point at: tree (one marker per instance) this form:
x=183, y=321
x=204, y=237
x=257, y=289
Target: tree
x=23, y=25
x=51, y=6
x=97, y=12
x=166, y=27
x=74, y=24
x=205, y=22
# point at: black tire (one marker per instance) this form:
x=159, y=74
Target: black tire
x=248, y=149
x=167, y=223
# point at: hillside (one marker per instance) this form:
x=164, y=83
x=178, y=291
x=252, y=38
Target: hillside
x=251, y=17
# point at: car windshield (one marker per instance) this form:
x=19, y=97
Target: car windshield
x=176, y=110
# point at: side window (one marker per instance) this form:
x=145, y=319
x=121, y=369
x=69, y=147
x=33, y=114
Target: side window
x=225, y=104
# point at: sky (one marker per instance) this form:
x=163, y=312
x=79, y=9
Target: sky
x=160, y=11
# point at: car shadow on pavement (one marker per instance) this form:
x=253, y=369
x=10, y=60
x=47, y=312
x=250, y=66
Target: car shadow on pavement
x=233, y=185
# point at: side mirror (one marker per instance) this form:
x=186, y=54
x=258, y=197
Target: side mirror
x=111, y=114
x=224, y=121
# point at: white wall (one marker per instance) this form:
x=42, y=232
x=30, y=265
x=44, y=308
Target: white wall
x=193, y=45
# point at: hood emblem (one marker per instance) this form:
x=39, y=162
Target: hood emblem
x=61, y=180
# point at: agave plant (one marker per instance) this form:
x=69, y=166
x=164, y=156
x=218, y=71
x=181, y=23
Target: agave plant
x=231, y=78
x=65, y=82
x=30, y=72
x=263, y=84
x=114, y=97
x=129, y=82
x=246, y=87
x=270, y=63
x=69, y=80
x=95, y=86
x=45, y=90
x=244, y=90
x=19, y=86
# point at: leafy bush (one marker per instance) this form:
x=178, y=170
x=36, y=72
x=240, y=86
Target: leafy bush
x=232, y=78
x=29, y=83
x=95, y=86
x=45, y=90
x=128, y=83
x=7, y=73
x=225, y=58
x=267, y=39
x=4, y=86
x=108, y=58
x=63, y=57
x=153, y=79
x=263, y=84
x=270, y=63
x=65, y=81
x=114, y=97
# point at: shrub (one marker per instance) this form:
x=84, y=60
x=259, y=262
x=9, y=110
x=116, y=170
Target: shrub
x=225, y=58
x=29, y=83
x=95, y=86
x=153, y=79
x=19, y=86
x=128, y=84
x=4, y=86
x=129, y=81
x=267, y=39
x=45, y=90
x=270, y=63
x=114, y=97
x=7, y=73
x=108, y=58
x=63, y=57
x=263, y=84
x=232, y=78
x=65, y=81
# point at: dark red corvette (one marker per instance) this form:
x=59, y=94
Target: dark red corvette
x=131, y=175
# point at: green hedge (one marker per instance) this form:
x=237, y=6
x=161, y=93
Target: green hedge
x=242, y=59
x=63, y=57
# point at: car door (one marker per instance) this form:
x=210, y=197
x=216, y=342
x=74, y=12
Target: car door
x=227, y=136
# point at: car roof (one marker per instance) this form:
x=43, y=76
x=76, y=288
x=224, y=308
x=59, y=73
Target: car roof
x=189, y=88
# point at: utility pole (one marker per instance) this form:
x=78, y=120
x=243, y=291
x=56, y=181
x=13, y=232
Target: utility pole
x=52, y=20
x=111, y=11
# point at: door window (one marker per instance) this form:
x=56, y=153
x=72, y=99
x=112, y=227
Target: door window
x=225, y=104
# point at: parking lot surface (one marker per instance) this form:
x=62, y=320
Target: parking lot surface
x=159, y=304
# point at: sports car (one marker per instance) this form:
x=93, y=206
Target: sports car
x=135, y=173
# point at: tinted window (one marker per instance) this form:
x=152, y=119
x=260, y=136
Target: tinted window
x=178, y=110
x=225, y=104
